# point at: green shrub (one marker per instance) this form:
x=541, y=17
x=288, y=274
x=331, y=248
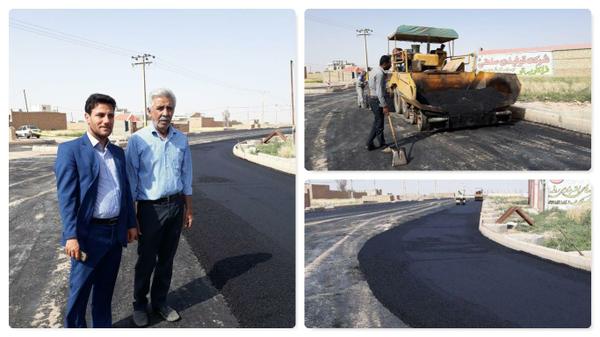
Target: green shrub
x=555, y=89
x=567, y=232
x=278, y=148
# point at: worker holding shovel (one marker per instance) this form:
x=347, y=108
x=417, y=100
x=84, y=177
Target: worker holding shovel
x=380, y=109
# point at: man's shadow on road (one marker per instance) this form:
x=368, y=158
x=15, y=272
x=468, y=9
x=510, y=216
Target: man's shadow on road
x=203, y=288
x=411, y=140
x=232, y=267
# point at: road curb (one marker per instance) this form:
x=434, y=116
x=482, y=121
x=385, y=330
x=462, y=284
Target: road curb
x=552, y=118
x=36, y=141
x=497, y=233
x=49, y=149
x=286, y=165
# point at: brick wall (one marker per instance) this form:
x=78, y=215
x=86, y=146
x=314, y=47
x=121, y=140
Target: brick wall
x=43, y=120
x=336, y=76
x=182, y=126
x=323, y=192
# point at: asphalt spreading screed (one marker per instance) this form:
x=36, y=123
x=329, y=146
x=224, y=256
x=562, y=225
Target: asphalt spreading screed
x=460, y=101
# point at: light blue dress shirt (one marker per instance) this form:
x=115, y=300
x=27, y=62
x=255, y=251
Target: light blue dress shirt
x=158, y=167
x=108, y=198
x=377, y=85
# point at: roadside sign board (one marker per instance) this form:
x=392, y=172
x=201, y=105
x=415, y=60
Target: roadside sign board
x=524, y=64
x=565, y=194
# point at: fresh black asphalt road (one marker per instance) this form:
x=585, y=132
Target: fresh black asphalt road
x=336, y=131
x=233, y=268
x=336, y=292
x=439, y=271
x=245, y=234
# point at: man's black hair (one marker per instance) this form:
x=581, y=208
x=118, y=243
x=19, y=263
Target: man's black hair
x=385, y=59
x=96, y=99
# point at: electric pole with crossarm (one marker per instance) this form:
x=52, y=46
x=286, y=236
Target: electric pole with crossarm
x=143, y=60
x=364, y=33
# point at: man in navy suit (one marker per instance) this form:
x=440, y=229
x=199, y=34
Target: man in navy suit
x=97, y=212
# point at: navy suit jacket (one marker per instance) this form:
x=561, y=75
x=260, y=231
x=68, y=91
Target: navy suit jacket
x=77, y=170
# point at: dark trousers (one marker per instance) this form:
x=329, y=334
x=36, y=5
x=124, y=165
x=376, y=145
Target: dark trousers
x=97, y=275
x=377, y=128
x=160, y=227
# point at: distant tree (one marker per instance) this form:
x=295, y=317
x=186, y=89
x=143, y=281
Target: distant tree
x=341, y=184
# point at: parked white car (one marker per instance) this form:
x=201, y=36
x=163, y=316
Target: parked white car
x=28, y=131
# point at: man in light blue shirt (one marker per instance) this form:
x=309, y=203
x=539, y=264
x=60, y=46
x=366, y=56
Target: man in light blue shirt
x=378, y=102
x=159, y=166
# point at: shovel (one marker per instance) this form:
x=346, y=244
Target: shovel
x=398, y=154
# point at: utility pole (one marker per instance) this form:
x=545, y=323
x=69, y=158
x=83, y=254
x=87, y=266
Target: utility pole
x=364, y=33
x=292, y=91
x=143, y=60
x=26, y=105
x=262, y=115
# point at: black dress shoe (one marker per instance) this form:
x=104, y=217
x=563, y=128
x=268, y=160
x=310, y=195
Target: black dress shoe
x=370, y=147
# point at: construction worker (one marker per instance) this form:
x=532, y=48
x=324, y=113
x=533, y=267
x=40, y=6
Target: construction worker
x=361, y=84
x=378, y=102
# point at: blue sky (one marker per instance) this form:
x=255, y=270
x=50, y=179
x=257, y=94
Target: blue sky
x=330, y=34
x=397, y=187
x=211, y=59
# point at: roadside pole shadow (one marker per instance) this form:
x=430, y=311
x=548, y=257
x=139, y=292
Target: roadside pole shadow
x=189, y=295
x=232, y=267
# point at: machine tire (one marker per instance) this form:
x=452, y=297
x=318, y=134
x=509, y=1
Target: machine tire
x=422, y=122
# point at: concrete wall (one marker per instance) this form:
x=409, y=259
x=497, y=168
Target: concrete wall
x=377, y=198
x=205, y=122
x=43, y=120
x=569, y=78
x=336, y=76
x=572, y=62
x=328, y=203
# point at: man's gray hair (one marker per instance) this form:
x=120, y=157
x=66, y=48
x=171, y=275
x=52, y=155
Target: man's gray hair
x=163, y=92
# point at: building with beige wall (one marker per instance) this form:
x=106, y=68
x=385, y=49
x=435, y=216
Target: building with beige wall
x=43, y=119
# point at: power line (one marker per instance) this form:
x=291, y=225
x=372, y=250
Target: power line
x=335, y=24
x=73, y=39
x=89, y=43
